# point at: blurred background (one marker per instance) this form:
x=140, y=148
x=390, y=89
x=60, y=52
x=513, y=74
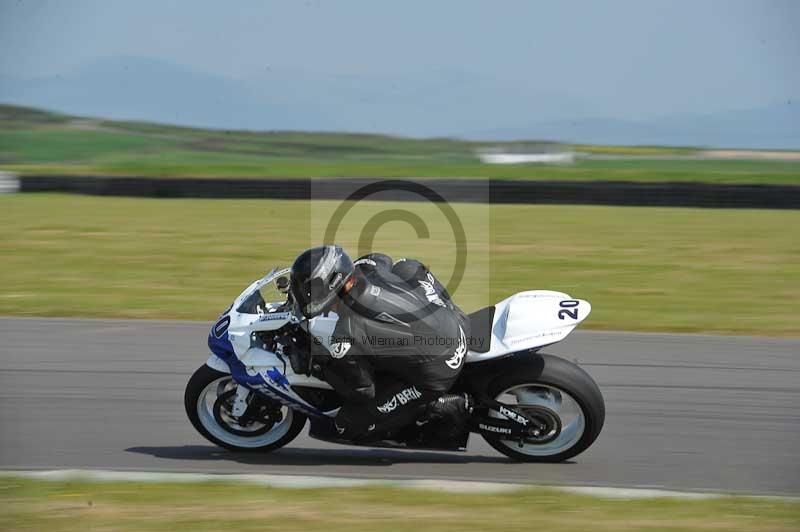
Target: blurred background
x=123, y=126
x=568, y=92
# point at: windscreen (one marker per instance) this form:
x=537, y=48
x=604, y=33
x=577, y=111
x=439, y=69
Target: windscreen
x=264, y=299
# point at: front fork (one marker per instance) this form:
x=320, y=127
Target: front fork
x=240, y=400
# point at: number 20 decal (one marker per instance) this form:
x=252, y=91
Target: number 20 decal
x=567, y=309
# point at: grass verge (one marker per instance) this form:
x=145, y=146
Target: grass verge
x=646, y=269
x=178, y=164
x=67, y=506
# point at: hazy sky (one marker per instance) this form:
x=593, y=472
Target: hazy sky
x=622, y=59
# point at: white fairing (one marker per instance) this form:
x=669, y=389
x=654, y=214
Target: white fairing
x=257, y=360
x=532, y=319
x=242, y=324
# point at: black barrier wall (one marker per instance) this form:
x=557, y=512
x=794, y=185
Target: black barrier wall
x=687, y=194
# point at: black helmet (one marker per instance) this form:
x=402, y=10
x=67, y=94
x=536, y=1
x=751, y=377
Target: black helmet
x=317, y=276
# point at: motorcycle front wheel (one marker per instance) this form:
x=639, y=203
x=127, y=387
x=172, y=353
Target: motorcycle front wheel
x=560, y=396
x=208, y=400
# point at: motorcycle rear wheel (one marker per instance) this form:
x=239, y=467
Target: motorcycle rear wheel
x=210, y=416
x=551, y=384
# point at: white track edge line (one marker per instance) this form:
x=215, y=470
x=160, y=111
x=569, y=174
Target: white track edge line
x=307, y=482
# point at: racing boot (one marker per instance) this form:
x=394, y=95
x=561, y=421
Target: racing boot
x=450, y=406
x=447, y=417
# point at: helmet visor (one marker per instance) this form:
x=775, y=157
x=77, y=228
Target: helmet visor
x=321, y=295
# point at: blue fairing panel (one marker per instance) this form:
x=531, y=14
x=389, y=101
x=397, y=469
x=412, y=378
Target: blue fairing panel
x=218, y=338
x=222, y=347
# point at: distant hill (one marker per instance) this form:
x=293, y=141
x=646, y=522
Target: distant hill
x=134, y=88
x=148, y=90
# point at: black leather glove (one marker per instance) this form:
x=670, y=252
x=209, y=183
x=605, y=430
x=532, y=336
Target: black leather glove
x=318, y=365
x=298, y=353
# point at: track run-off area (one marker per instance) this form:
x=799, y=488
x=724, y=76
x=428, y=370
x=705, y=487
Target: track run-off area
x=684, y=412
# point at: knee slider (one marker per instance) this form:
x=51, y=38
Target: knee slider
x=353, y=423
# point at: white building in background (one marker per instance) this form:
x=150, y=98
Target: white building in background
x=527, y=153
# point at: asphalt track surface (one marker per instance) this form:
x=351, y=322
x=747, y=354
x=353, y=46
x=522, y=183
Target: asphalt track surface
x=684, y=412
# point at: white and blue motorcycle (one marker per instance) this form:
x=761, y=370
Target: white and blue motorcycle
x=530, y=406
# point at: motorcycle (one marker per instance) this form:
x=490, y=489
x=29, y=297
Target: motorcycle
x=530, y=406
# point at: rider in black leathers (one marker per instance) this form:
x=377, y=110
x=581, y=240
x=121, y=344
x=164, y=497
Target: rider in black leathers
x=398, y=345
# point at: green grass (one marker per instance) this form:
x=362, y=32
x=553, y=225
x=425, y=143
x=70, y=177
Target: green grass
x=35, y=142
x=55, y=146
x=67, y=506
x=645, y=269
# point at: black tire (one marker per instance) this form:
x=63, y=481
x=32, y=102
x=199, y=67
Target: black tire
x=198, y=382
x=560, y=373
